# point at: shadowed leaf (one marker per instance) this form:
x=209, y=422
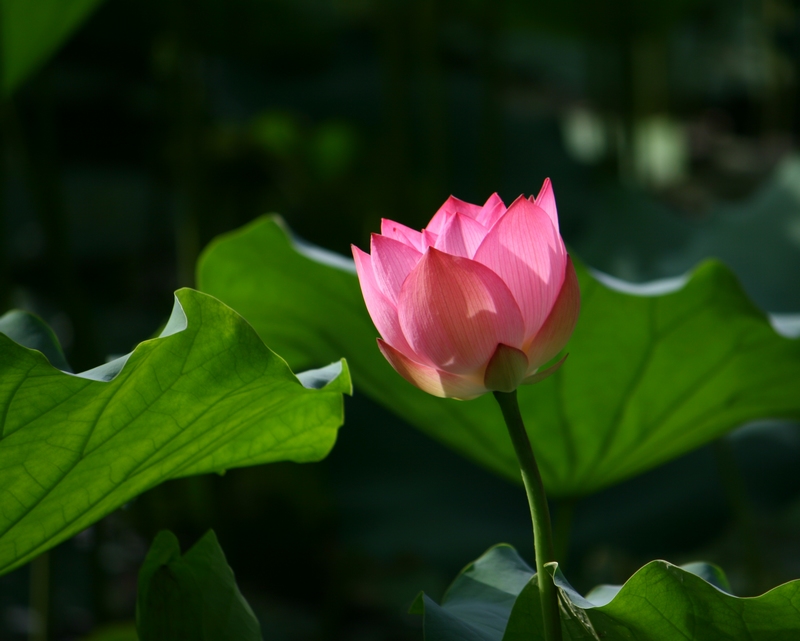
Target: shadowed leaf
x=660, y=602
x=193, y=597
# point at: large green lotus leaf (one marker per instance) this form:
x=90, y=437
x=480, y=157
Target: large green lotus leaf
x=193, y=597
x=205, y=396
x=653, y=371
x=660, y=602
x=32, y=30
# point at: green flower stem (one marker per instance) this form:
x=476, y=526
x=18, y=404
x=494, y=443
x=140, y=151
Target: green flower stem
x=540, y=513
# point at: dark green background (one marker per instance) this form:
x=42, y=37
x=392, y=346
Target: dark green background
x=162, y=124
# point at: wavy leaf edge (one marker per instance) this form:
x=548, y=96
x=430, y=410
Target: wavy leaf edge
x=318, y=378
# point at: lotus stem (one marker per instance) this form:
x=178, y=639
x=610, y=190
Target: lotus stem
x=540, y=513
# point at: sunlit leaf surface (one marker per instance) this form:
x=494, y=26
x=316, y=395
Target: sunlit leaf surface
x=205, y=396
x=652, y=372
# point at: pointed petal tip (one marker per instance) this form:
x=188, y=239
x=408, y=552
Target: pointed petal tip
x=540, y=376
x=392, y=261
x=547, y=201
x=546, y=190
x=461, y=236
x=359, y=254
x=518, y=199
x=529, y=203
x=431, y=253
x=525, y=250
x=493, y=199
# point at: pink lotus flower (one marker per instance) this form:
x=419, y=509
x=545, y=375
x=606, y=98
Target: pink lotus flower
x=478, y=301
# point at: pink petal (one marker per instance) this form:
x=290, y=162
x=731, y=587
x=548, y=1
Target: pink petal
x=525, y=250
x=451, y=207
x=461, y=236
x=558, y=327
x=492, y=211
x=404, y=234
x=438, y=221
x=391, y=263
x=455, y=311
x=382, y=311
x=428, y=239
x=431, y=380
x=547, y=201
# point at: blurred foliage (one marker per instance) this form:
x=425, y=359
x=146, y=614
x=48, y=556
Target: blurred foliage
x=119, y=632
x=32, y=31
x=668, y=129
